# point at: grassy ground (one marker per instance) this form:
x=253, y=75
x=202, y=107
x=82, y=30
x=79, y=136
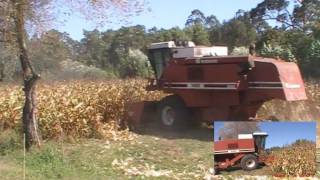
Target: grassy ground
x=161, y=156
x=152, y=155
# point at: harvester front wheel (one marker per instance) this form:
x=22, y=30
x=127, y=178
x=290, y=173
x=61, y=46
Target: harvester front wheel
x=172, y=112
x=249, y=162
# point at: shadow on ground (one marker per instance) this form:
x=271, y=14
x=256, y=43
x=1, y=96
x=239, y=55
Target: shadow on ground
x=237, y=170
x=201, y=133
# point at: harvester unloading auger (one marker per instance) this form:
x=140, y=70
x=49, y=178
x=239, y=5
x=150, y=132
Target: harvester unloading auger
x=205, y=84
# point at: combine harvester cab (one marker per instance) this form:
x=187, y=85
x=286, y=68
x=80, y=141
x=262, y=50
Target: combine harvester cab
x=205, y=84
x=246, y=151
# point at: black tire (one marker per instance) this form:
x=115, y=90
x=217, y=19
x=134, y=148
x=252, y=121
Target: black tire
x=249, y=162
x=172, y=113
x=215, y=171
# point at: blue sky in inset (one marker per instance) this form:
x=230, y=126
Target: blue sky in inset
x=281, y=133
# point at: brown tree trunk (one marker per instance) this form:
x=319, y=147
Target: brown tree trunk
x=30, y=79
x=1, y=72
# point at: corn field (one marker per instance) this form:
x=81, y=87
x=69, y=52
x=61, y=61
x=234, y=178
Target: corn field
x=93, y=109
x=298, y=160
x=76, y=109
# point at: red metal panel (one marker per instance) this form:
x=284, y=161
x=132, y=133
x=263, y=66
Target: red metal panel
x=213, y=113
x=225, y=162
x=213, y=60
x=272, y=79
x=217, y=73
x=177, y=73
x=293, y=84
x=212, y=73
x=230, y=145
x=196, y=98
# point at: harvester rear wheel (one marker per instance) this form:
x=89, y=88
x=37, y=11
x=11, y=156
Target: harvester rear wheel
x=249, y=162
x=172, y=113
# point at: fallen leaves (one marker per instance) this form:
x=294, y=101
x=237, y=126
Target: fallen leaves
x=131, y=167
x=140, y=169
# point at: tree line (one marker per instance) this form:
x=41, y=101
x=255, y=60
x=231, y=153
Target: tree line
x=294, y=36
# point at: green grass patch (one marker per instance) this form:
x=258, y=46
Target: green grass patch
x=146, y=157
x=10, y=141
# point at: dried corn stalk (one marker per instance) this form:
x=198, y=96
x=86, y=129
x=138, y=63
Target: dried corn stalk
x=77, y=109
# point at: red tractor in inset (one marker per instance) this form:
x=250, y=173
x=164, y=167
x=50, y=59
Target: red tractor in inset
x=247, y=152
x=205, y=84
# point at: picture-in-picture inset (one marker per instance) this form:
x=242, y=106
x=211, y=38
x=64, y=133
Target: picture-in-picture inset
x=265, y=148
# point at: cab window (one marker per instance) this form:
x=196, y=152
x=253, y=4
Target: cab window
x=158, y=59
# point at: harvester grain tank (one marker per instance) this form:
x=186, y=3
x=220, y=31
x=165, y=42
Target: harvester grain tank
x=205, y=84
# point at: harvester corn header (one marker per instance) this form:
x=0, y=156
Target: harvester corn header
x=205, y=84
x=248, y=151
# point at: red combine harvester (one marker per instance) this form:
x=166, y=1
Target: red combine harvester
x=206, y=85
x=245, y=151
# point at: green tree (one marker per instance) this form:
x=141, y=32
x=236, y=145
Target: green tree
x=160, y=35
x=196, y=17
x=312, y=62
x=215, y=36
x=48, y=51
x=316, y=30
x=203, y=30
x=303, y=16
x=271, y=36
x=277, y=52
x=134, y=64
x=214, y=30
x=198, y=34
x=291, y=45
x=92, y=48
x=237, y=32
x=212, y=21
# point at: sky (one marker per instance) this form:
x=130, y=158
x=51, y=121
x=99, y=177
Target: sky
x=166, y=14
x=281, y=133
